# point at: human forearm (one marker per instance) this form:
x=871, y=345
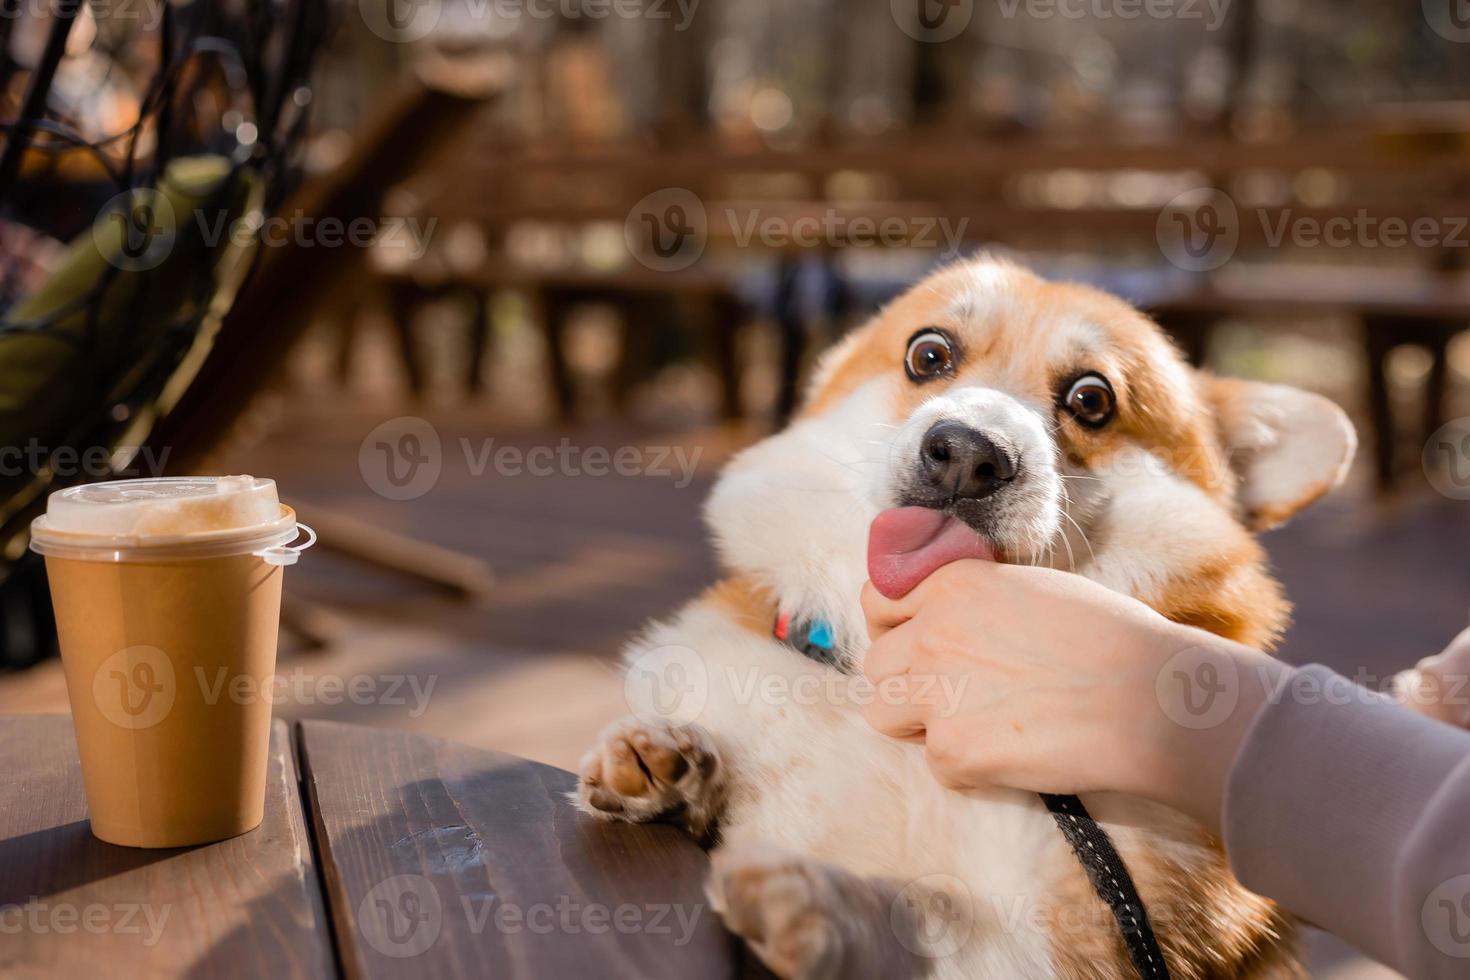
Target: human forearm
x=1349, y=811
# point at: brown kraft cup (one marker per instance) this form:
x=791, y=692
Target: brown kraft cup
x=169, y=650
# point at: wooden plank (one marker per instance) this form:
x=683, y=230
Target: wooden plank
x=921, y=155
x=1286, y=290
x=73, y=906
x=446, y=861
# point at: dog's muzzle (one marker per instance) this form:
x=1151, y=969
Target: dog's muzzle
x=957, y=462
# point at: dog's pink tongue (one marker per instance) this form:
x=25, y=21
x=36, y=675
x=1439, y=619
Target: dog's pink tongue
x=906, y=544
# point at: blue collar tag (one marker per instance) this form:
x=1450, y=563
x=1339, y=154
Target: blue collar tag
x=812, y=638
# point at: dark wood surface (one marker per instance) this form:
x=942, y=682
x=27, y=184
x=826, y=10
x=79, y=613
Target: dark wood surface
x=73, y=906
x=446, y=861
x=436, y=860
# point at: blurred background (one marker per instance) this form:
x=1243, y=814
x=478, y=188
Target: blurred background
x=492, y=288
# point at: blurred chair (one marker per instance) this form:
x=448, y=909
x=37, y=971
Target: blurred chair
x=412, y=122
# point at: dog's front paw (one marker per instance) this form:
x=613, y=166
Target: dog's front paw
x=641, y=772
x=785, y=907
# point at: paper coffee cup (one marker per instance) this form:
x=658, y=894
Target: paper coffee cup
x=167, y=595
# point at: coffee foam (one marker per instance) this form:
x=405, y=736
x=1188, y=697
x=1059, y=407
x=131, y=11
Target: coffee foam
x=166, y=507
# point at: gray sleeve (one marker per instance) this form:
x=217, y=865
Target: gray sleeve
x=1354, y=814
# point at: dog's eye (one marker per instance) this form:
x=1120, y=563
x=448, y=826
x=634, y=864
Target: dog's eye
x=1091, y=400
x=930, y=354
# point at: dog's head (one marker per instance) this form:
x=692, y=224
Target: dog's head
x=1057, y=422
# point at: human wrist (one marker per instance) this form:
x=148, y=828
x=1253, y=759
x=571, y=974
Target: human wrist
x=1206, y=692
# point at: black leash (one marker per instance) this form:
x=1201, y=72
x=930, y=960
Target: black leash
x=1110, y=879
x=1090, y=842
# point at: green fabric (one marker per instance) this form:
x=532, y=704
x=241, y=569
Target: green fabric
x=47, y=382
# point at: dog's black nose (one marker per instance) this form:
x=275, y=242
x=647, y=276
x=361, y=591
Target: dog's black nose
x=965, y=461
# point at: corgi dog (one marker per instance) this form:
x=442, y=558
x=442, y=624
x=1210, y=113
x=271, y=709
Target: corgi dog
x=1064, y=429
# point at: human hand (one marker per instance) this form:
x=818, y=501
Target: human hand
x=1055, y=684
x=1439, y=686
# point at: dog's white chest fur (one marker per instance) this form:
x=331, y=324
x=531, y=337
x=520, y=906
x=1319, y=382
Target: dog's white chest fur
x=814, y=779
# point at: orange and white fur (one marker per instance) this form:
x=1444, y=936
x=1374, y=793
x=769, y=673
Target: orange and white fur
x=836, y=853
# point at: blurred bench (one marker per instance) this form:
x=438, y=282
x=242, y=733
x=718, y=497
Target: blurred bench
x=704, y=301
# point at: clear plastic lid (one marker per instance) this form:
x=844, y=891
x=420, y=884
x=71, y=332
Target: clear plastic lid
x=169, y=518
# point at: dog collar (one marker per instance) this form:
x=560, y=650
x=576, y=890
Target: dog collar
x=812, y=638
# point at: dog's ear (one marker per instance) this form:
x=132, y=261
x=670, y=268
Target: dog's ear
x=1287, y=447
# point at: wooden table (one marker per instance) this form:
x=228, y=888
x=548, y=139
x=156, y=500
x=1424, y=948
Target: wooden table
x=381, y=855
